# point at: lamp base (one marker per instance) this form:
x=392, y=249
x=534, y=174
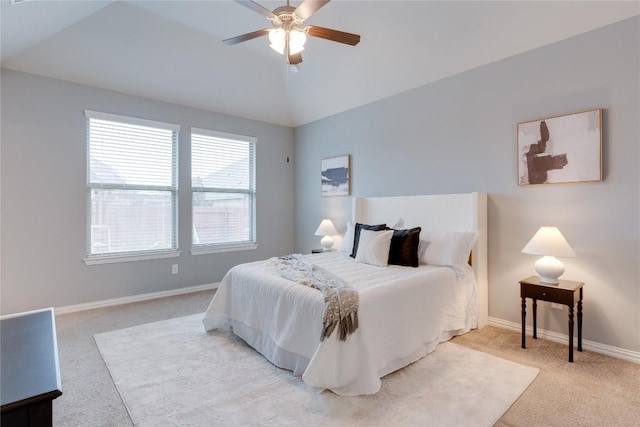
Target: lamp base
x=326, y=243
x=549, y=268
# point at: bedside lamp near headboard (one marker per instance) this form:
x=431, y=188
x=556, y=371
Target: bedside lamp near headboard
x=549, y=243
x=327, y=230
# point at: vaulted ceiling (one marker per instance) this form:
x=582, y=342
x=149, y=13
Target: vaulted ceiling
x=172, y=50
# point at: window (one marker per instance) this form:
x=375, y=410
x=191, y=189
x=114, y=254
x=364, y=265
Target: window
x=224, y=191
x=131, y=188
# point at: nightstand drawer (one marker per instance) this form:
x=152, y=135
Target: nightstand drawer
x=561, y=296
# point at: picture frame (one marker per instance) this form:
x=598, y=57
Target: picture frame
x=335, y=176
x=561, y=149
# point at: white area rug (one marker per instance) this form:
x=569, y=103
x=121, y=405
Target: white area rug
x=173, y=373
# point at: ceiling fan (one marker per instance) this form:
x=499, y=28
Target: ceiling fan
x=289, y=33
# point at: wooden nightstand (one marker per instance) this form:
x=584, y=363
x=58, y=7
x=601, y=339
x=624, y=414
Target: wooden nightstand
x=566, y=292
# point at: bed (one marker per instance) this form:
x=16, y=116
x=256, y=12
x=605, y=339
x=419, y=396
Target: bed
x=404, y=312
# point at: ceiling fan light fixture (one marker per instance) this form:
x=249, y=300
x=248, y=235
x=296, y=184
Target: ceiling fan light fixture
x=297, y=39
x=276, y=37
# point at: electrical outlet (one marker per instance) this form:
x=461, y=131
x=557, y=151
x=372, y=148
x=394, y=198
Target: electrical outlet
x=174, y=269
x=557, y=306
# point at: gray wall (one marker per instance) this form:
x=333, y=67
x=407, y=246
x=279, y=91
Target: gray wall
x=43, y=196
x=459, y=135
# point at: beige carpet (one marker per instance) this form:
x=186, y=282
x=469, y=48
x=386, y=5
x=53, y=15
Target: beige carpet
x=172, y=373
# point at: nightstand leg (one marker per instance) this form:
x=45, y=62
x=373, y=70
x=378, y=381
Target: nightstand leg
x=570, y=333
x=524, y=315
x=580, y=322
x=535, y=319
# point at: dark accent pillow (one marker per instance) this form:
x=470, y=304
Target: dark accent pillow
x=404, y=247
x=356, y=234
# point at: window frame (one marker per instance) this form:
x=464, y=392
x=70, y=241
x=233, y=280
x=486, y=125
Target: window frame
x=252, y=243
x=115, y=257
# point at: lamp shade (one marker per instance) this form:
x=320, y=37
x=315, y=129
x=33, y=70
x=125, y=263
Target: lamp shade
x=549, y=241
x=326, y=228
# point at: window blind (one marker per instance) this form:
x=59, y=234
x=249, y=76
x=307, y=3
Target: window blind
x=224, y=189
x=131, y=185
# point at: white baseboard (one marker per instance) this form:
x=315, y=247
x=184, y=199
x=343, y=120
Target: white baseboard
x=134, y=298
x=617, y=352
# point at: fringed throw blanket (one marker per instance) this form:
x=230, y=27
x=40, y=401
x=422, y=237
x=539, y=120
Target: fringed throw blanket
x=341, y=300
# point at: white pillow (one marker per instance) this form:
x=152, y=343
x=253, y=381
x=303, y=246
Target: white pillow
x=347, y=242
x=449, y=248
x=373, y=247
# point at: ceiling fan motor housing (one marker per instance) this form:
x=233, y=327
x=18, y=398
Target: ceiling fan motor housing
x=286, y=18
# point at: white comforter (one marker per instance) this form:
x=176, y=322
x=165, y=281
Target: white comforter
x=404, y=313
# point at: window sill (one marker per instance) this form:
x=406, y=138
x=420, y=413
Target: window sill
x=110, y=259
x=223, y=248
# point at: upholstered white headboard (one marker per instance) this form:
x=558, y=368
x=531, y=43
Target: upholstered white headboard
x=442, y=212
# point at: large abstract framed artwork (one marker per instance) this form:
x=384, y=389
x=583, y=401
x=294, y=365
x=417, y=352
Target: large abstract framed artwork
x=335, y=176
x=561, y=149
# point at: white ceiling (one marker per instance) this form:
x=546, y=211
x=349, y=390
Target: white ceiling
x=172, y=50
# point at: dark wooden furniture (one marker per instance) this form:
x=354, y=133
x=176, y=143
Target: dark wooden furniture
x=30, y=377
x=566, y=292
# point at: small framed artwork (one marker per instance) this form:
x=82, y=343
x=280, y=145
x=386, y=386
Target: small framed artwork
x=335, y=176
x=561, y=149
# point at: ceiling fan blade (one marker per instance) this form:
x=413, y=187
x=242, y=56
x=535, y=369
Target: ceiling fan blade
x=333, y=35
x=309, y=7
x=250, y=4
x=245, y=37
x=295, y=59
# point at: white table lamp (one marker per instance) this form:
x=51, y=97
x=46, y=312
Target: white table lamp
x=326, y=229
x=549, y=243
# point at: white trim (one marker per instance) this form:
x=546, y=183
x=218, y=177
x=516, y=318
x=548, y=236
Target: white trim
x=109, y=259
x=223, y=248
x=223, y=135
x=617, y=352
x=134, y=298
x=98, y=115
